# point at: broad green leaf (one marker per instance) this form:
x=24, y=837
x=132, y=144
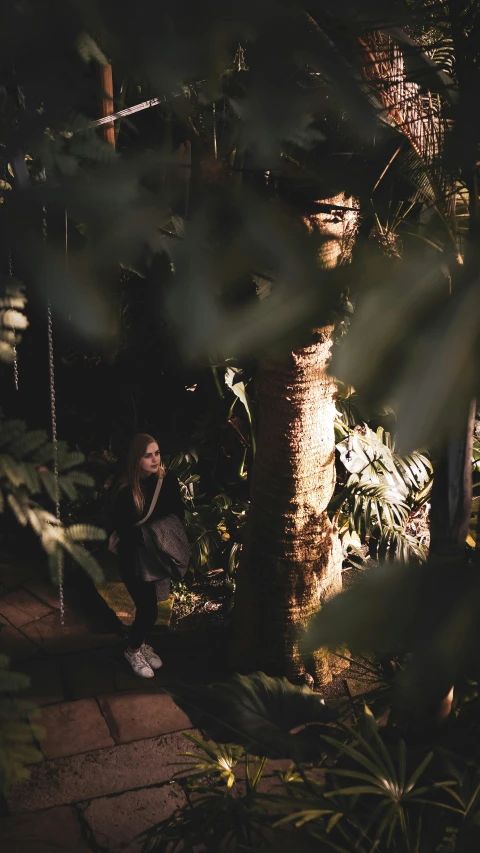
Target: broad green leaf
x=257, y=712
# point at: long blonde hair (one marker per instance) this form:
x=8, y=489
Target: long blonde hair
x=138, y=446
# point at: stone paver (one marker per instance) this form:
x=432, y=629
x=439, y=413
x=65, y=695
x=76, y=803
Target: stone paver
x=72, y=728
x=125, y=679
x=108, y=757
x=269, y=782
x=45, y=681
x=98, y=773
x=142, y=715
x=19, y=607
x=117, y=820
x=15, y=644
x=46, y=592
x=57, y=829
x=89, y=673
x=194, y=640
x=75, y=635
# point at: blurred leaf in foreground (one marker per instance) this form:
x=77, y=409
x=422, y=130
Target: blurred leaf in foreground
x=429, y=611
x=261, y=239
x=418, y=344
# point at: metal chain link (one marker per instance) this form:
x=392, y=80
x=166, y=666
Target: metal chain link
x=14, y=341
x=10, y=273
x=53, y=411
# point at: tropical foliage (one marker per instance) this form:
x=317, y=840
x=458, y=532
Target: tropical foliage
x=382, y=490
x=214, y=528
x=18, y=728
x=28, y=485
x=362, y=787
x=12, y=316
x=333, y=98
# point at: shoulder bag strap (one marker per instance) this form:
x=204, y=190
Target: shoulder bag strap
x=153, y=504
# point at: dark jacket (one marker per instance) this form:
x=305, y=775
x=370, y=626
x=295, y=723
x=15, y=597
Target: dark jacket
x=125, y=514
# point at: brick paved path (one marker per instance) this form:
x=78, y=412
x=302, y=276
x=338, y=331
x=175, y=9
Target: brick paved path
x=110, y=738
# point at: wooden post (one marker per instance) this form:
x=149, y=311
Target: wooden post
x=107, y=103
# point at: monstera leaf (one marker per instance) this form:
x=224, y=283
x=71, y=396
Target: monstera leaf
x=259, y=713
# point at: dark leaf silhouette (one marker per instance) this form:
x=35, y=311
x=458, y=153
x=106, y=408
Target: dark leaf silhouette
x=257, y=712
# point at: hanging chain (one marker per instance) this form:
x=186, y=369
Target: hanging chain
x=14, y=333
x=350, y=437
x=53, y=410
x=14, y=340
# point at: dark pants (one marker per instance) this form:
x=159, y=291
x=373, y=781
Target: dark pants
x=144, y=596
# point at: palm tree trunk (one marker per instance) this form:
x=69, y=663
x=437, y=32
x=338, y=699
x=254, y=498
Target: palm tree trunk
x=452, y=494
x=292, y=561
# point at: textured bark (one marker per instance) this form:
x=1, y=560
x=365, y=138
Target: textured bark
x=292, y=561
x=452, y=493
x=292, y=557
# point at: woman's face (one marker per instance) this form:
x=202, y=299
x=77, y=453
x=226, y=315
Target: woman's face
x=150, y=461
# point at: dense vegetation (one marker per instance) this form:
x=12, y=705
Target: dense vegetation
x=308, y=177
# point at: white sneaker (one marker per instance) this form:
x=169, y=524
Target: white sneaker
x=139, y=664
x=151, y=656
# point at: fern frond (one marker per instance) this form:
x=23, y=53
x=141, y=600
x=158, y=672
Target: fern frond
x=28, y=443
x=12, y=303
x=85, y=533
x=83, y=558
x=68, y=460
x=56, y=561
x=81, y=479
x=31, y=478
x=9, y=430
x=24, y=472
x=443, y=54
x=395, y=539
x=34, y=520
x=44, y=455
x=18, y=510
x=48, y=482
x=68, y=487
x=11, y=470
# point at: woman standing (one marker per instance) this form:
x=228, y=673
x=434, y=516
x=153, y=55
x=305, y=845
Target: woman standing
x=132, y=503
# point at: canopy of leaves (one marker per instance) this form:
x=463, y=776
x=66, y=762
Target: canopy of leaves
x=279, y=118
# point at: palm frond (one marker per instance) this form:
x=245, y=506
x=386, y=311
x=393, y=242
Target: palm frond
x=382, y=490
